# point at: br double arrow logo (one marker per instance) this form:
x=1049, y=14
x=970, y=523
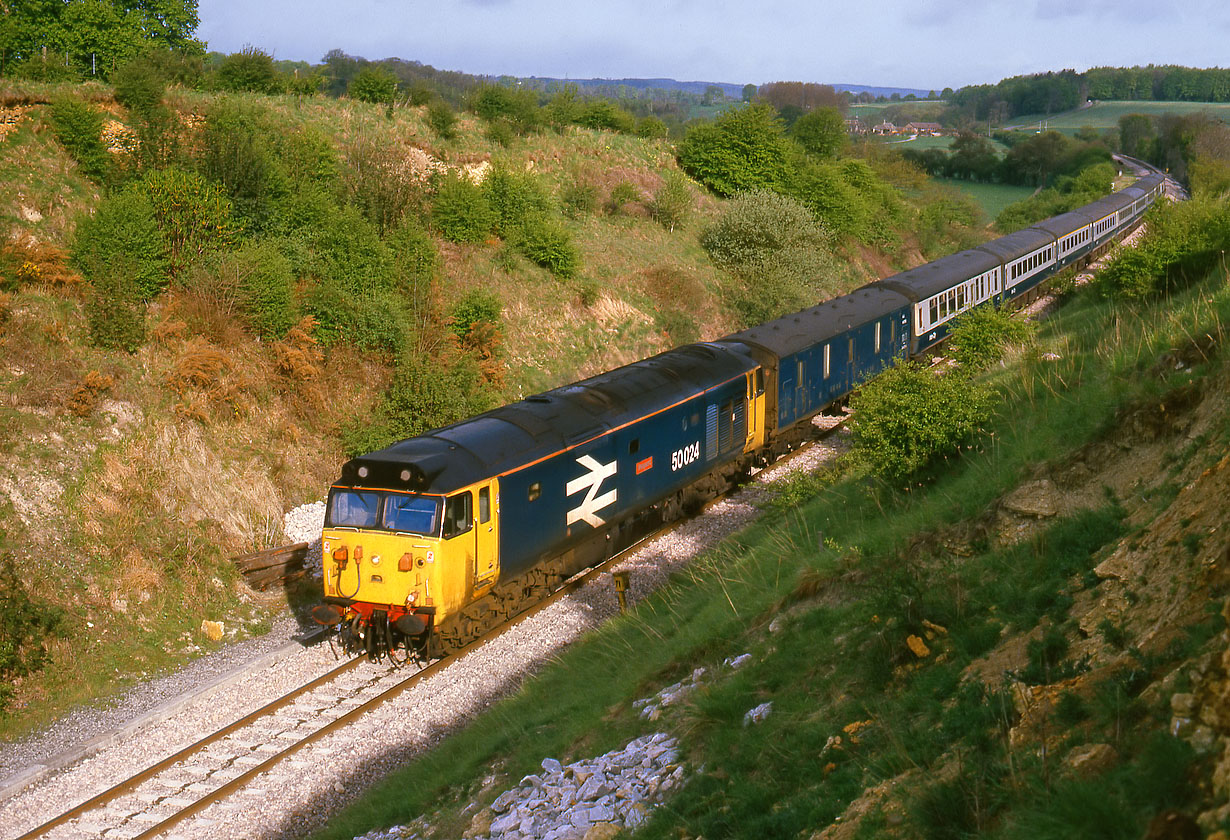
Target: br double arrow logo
x=588, y=509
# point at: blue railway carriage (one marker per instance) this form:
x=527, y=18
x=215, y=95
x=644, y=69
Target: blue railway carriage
x=415, y=533
x=1073, y=234
x=1027, y=257
x=816, y=357
x=942, y=290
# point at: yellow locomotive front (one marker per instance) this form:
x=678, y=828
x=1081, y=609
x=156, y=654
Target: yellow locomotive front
x=398, y=563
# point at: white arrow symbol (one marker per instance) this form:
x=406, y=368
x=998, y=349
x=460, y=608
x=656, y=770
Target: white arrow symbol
x=593, y=479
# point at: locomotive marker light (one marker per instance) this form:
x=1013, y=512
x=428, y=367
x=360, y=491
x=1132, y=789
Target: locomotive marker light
x=621, y=588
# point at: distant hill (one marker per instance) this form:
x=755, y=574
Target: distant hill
x=734, y=91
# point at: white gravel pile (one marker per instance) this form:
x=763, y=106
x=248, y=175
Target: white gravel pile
x=304, y=524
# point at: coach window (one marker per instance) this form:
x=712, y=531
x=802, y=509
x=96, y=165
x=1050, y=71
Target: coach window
x=458, y=517
x=878, y=326
x=826, y=361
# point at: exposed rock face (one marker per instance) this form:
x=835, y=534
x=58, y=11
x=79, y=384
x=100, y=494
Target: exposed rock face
x=1036, y=498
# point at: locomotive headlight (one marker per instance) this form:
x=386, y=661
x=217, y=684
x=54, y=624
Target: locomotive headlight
x=412, y=598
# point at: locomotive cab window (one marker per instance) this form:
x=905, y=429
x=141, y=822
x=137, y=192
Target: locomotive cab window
x=412, y=514
x=354, y=509
x=458, y=516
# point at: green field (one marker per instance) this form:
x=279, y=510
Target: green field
x=1103, y=115
x=992, y=198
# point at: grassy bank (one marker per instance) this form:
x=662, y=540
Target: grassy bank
x=972, y=732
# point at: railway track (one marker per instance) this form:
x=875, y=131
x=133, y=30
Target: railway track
x=155, y=800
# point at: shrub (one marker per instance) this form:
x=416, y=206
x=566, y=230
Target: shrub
x=672, y=203
x=442, y=119
x=518, y=106
x=192, y=213
x=138, y=85
x=265, y=288
x=425, y=394
x=513, y=198
x=250, y=69
x=548, y=244
x=651, y=128
x=78, y=127
x=373, y=84
x=579, y=198
x=605, y=115
x=907, y=416
x=460, y=211
x=621, y=194
x=238, y=153
x=980, y=336
x=379, y=184
x=123, y=230
x=114, y=309
x=477, y=307
x=308, y=158
x=744, y=149
x=27, y=623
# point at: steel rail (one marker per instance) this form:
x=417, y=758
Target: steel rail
x=132, y=782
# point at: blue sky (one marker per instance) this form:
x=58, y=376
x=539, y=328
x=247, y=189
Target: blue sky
x=928, y=44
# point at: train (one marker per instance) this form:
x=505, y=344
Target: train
x=433, y=540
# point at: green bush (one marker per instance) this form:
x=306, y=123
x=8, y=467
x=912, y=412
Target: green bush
x=347, y=248
x=579, y=198
x=907, y=416
x=743, y=149
x=777, y=256
x=123, y=231
x=424, y=395
x=672, y=203
x=622, y=193
x=373, y=84
x=547, y=243
x=651, y=128
x=519, y=107
x=308, y=158
x=251, y=69
x=605, y=115
x=238, y=152
x=139, y=85
x=460, y=211
x=265, y=287
x=78, y=127
x=477, y=307
x=195, y=217
x=114, y=309
x=378, y=182
x=980, y=336
x=26, y=625
x=1184, y=242
x=442, y=119
x=513, y=197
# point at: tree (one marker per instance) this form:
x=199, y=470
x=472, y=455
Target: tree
x=250, y=69
x=821, y=132
x=373, y=84
x=744, y=149
x=749, y=92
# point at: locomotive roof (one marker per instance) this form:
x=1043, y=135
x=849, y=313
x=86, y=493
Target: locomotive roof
x=926, y=280
x=791, y=333
x=506, y=438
